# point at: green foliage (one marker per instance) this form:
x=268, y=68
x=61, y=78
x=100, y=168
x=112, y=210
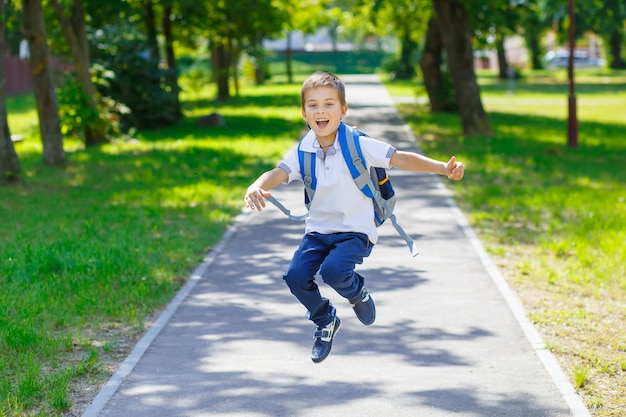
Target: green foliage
x=76, y=114
x=12, y=20
x=198, y=76
x=128, y=75
x=445, y=94
x=240, y=24
x=73, y=110
x=401, y=18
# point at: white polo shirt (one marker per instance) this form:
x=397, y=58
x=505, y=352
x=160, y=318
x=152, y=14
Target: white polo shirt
x=339, y=205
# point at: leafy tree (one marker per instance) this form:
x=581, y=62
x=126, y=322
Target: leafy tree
x=456, y=33
x=407, y=21
x=234, y=26
x=13, y=23
x=171, y=75
x=71, y=18
x=437, y=80
x=127, y=60
x=305, y=16
x=498, y=20
x=9, y=162
x=126, y=73
x=150, y=17
x=44, y=90
x=608, y=19
x=533, y=24
x=447, y=61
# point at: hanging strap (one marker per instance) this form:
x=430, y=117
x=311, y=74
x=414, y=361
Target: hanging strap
x=409, y=241
x=286, y=210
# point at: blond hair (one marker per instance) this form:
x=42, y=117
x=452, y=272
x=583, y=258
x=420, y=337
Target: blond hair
x=323, y=79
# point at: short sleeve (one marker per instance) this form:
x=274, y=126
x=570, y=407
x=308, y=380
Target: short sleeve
x=377, y=153
x=291, y=165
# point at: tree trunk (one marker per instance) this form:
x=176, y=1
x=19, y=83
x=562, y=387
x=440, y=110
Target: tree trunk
x=503, y=65
x=43, y=86
x=333, y=31
x=219, y=57
x=234, y=65
x=440, y=92
x=255, y=50
x=151, y=31
x=9, y=162
x=616, y=61
x=75, y=36
x=172, y=70
x=456, y=32
x=288, y=59
x=77, y=19
x=406, y=67
x=534, y=47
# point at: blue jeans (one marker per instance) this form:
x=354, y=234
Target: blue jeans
x=334, y=256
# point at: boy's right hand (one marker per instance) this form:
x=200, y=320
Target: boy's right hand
x=454, y=169
x=254, y=198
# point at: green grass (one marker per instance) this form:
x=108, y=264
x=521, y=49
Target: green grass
x=553, y=218
x=89, y=251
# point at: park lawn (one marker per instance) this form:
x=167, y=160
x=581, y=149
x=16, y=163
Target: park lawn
x=553, y=218
x=91, y=252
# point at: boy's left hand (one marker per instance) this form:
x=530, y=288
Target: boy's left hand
x=455, y=170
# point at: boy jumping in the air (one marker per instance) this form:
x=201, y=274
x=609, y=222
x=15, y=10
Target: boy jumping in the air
x=340, y=230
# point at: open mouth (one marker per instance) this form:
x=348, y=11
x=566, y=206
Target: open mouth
x=322, y=123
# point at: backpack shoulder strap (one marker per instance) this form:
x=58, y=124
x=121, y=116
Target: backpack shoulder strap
x=307, y=170
x=351, y=150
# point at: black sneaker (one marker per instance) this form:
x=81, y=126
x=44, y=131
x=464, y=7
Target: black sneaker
x=323, y=340
x=364, y=307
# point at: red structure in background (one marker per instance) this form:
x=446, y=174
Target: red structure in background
x=572, y=118
x=17, y=74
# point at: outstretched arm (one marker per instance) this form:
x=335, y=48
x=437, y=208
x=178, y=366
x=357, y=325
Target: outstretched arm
x=260, y=188
x=415, y=162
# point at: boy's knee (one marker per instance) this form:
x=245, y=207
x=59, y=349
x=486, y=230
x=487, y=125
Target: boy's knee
x=296, y=278
x=334, y=275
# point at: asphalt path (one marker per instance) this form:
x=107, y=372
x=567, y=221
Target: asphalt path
x=450, y=338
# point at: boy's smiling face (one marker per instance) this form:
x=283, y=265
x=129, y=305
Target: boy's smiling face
x=323, y=111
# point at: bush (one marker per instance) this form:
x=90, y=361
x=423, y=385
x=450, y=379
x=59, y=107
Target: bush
x=133, y=78
x=76, y=115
